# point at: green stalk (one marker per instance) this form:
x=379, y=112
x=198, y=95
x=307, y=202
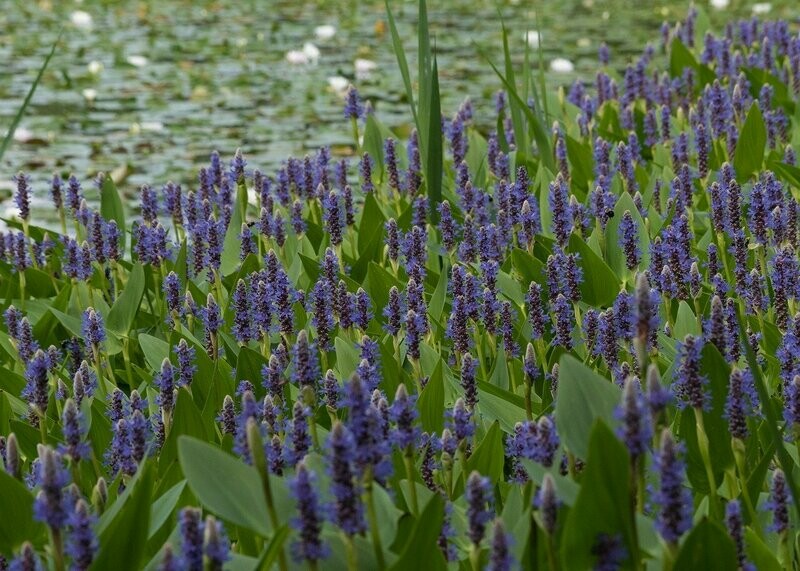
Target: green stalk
x=350, y=549
x=310, y=399
x=126, y=357
x=552, y=562
x=784, y=551
x=738, y=455
x=372, y=515
x=670, y=554
x=98, y=365
x=512, y=376
x=256, y=447
x=43, y=427
x=475, y=557
x=408, y=459
x=703, y=444
x=528, y=390
x=635, y=503
x=354, y=126
x=22, y=290
x=57, y=543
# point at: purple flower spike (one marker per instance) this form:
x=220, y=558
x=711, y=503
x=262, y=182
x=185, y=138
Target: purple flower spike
x=547, y=502
x=82, y=544
x=215, y=544
x=629, y=241
x=309, y=546
x=186, y=367
x=479, y=506
x=93, y=330
x=22, y=197
x=353, y=109
x=73, y=429
x=50, y=505
x=165, y=382
x=674, y=513
x=500, y=557
x=191, y=533
x=735, y=525
x=347, y=510
x=468, y=380
x=778, y=503
x=403, y=413
x=636, y=429
x=563, y=321
x=558, y=199
x=689, y=385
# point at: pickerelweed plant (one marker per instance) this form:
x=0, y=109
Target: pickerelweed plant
x=561, y=344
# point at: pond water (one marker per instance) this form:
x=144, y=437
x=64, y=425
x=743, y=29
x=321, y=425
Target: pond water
x=148, y=89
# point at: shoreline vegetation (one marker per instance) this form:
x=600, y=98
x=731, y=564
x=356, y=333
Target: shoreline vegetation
x=568, y=343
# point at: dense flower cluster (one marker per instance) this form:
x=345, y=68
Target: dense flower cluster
x=337, y=358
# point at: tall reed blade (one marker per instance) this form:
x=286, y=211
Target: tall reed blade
x=18, y=117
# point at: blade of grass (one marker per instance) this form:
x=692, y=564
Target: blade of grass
x=517, y=117
x=18, y=117
x=434, y=163
x=402, y=62
x=423, y=81
x=542, y=82
x=540, y=133
x=428, y=114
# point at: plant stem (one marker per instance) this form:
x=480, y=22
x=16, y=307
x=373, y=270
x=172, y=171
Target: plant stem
x=528, y=390
x=58, y=549
x=738, y=455
x=408, y=458
x=352, y=555
x=373, y=522
x=702, y=442
x=98, y=365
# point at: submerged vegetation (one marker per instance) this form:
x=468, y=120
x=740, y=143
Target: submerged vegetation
x=567, y=343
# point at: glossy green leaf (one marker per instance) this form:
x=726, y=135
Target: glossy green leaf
x=155, y=350
x=232, y=489
x=600, y=286
x=489, y=455
x=749, y=154
x=422, y=540
x=583, y=397
x=123, y=537
x=603, y=502
x=431, y=402
x=18, y=526
x=123, y=312
x=707, y=546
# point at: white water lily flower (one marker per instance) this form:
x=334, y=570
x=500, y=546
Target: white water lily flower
x=296, y=57
x=137, y=60
x=720, y=4
x=364, y=67
x=325, y=32
x=339, y=84
x=152, y=126
x=311, y=51
x=762, y=8
x=81, y=19
x=533, y=37
x=89, y=94
x=22, y=135
x=562, y=65
x=95, y=67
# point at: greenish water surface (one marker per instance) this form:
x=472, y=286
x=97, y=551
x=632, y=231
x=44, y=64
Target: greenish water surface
x=148, y=89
